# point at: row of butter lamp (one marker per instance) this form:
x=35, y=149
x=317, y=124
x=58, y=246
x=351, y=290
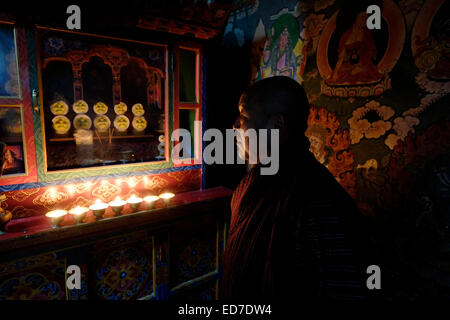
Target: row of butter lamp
x=99, y=207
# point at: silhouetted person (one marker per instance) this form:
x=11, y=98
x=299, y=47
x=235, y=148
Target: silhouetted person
x=295, y=234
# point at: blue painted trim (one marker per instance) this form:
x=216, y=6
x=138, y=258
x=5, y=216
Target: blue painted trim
x=24, y=186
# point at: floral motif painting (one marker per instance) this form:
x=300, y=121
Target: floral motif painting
x=370, y=121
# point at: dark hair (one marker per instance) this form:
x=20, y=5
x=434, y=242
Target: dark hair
x=280, y=94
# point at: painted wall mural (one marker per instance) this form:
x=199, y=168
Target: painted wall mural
x=277, y=48
x=361, y=67
x=284, y=50
x=379, y=117
x=330, y=145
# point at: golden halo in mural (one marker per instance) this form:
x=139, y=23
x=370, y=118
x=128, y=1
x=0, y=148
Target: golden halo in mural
x=61, y=124
x=100, y=108
x=139, y=123
x=80, y=106
x=429, y=52
x=82, y=121
x=138, y=109
x=102, y=123
x=121, y=123
x=120, y=108
x=59, y=108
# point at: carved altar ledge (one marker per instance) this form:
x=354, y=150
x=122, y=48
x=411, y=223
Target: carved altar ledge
x=40, y=234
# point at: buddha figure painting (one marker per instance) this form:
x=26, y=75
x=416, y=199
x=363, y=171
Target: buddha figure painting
x=356, y=55
x=354, y=61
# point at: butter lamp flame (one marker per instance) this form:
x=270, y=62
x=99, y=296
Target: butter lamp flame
x=98, y=208
x=79, y=213
x=134, y=202
x=151, y=200
x=117, y=205
x=56, y=217
x=166, y=196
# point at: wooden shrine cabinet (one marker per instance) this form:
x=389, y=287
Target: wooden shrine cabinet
x=170, y=252
x=89, y=117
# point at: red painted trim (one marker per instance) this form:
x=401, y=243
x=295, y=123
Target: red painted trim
x=25, y=101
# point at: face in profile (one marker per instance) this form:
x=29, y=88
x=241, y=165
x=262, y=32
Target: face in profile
x=250, y=117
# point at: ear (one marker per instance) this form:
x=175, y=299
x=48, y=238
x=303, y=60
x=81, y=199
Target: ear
x=277, y=121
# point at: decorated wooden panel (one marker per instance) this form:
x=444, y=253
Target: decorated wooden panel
x=41, y=277
x=193, y=249
x=123, y=267
x=147, y=262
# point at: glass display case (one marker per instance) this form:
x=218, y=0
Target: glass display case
x=104, y=100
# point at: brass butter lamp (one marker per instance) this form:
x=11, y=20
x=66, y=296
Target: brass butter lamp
x=5, y=215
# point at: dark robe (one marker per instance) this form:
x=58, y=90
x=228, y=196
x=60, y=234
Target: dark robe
x=295, y=234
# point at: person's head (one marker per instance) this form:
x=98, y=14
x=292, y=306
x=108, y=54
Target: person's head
x=273, y=103
x=9, y=156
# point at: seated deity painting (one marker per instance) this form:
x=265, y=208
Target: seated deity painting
x=357, y=52
x=354, y=61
